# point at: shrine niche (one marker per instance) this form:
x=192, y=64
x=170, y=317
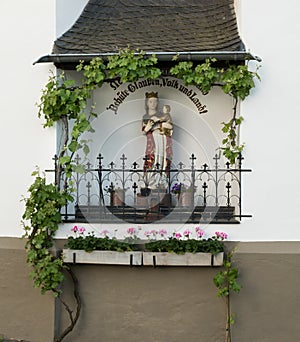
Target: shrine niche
x=155, y=141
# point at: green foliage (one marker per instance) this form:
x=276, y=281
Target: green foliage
x=130, y=66
x=237, y=80
x=226, y=279
x=42, y=218
x=91, y=243
x=183, y=70
x=61, y=97
x=61, y=100
x=93, y=73
x=231, y=149
x=173, y=245
x=81, y=124
x=203, y=75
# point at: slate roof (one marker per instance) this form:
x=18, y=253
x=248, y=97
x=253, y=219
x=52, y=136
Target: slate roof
x=105, y=26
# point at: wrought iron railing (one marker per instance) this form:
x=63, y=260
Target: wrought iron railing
x=115, y=193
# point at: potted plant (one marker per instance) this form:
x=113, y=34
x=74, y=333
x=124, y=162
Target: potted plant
x=145, y=191
x=117, y=196
x=185, y=194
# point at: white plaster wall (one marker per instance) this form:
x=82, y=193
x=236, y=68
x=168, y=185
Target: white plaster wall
x=27, y=32
x=193, y=132
x=270, y=130
x=67, y=11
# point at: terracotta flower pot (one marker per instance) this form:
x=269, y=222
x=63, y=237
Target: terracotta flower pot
x=186, y=199
x=117, y=198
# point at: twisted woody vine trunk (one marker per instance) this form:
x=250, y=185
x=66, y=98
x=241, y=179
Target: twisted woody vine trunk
x=73, y=317
x=59, y=166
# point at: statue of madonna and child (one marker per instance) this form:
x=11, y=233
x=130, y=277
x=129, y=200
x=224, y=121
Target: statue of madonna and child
x=158, y=127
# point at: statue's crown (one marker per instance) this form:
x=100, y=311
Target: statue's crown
x=152, y=94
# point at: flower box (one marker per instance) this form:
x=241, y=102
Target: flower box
x=139, y=258
x=187, y=259
x=132, y=258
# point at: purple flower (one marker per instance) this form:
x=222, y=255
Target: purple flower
x=175, y=189
x=104, y=232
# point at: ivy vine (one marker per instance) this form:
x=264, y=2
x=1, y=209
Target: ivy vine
x=64, y=101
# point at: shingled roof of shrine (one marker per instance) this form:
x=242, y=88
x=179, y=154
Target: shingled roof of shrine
x=194, y=28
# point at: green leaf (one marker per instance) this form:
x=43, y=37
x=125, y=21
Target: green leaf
x=73, y=146
x=79, y=168
x=65, y=159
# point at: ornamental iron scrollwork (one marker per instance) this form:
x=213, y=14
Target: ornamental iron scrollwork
x=116, y=192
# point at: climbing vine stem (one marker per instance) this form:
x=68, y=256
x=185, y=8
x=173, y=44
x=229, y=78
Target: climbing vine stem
x=226, y=282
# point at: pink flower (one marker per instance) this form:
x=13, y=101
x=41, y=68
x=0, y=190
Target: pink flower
x=147, y=233
x=187, y=233
x=75, y=229
x=131, y=231
x=224, y=235
x=177, y=235
x=199, y=233
x=221, y=235
x=153, y=232
x=81, y=230
x=162, y=232
x=104, y=232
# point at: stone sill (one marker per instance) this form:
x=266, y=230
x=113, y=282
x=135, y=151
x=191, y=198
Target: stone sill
x=138, y=258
